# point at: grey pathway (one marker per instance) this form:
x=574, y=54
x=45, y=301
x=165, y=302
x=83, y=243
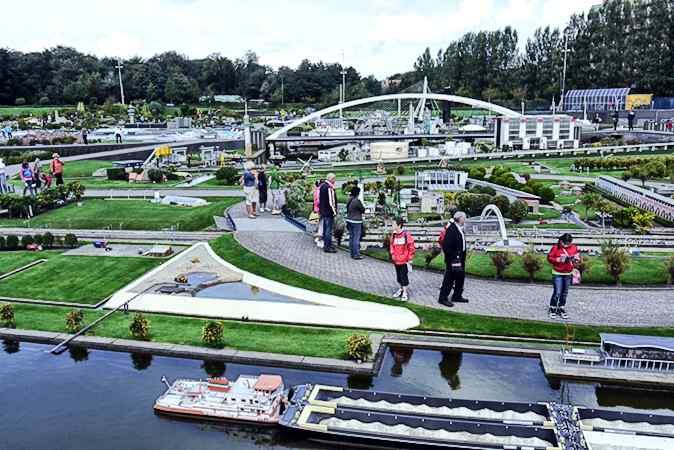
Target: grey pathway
x=597, y=306
x=265, y=222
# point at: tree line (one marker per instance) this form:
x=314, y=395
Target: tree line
x=618, y=43
x=62, y=75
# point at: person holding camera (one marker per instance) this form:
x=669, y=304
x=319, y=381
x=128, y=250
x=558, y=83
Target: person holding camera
x=563, y=256
x=453, y=243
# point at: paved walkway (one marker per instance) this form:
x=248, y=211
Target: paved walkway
x=596, y=306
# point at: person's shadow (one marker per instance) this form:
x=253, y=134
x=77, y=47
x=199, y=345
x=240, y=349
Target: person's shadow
x=449, y=368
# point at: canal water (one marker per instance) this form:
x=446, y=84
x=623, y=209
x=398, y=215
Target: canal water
x=90, y=399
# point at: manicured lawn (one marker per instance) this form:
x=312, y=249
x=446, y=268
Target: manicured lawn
x=12, y=260
x=215, y=183
x=127, y=215
x=431, y=318
x=545, y=213
x=84, y=168
x=302, y=341
x=104, y=183
x=76, y=279
x=34, y=110
x=642, y=271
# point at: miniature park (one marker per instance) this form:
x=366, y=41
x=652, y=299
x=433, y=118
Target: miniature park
x=176, y=249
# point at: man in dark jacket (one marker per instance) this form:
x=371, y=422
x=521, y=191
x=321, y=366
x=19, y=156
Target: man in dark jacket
x=454, y=249
x=327, y=208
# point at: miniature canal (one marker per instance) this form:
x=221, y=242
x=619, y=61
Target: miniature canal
x=91, y=399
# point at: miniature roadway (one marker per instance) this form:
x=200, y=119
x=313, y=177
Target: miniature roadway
x=601, y=305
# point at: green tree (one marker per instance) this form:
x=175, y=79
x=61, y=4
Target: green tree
x=615, y=259
x=518, y=211
x=532, y=263
x=501, y=261
x=590, y=200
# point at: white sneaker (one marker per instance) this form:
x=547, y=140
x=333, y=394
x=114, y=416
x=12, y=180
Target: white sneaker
x=320, y=244
x=404, y=296
x=398, y=293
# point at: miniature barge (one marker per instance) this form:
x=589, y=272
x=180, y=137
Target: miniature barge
x=248, y=399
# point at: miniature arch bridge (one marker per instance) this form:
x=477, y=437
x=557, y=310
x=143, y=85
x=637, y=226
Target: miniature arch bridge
x=413, y=96
x=490, y=210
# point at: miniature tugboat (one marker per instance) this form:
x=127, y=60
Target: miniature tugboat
x=249, y=399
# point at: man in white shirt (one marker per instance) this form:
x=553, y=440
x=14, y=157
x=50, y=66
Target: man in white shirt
x=454, y=249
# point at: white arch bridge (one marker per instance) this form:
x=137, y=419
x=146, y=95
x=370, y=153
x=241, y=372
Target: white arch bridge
x=394, y=97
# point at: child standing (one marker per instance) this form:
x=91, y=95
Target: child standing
x=402, y=252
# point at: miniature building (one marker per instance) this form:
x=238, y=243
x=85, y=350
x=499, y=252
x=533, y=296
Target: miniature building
x=432, y=202
x=537, y=132
x=409, y=197
x=441, y=180
x=389, y=150
x=596, y=100
x=661, y=206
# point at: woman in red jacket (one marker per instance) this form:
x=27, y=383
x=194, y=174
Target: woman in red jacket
x=402, y=253
x=563, y=256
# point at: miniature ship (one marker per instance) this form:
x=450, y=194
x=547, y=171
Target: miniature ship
x=248, y=399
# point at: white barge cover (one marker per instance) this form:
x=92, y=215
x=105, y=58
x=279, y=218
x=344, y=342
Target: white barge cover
x=599, y=440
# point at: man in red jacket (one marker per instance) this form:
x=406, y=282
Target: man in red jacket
x=402, y=253
x=563, y=257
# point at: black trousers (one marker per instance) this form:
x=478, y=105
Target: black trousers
x=453, y=280
x=402, y=275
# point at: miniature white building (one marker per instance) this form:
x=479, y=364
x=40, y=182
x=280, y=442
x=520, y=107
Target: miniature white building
x=441, y=180
x=432, y=202
x=454, y=148
x=661, y=206
x=389, y=150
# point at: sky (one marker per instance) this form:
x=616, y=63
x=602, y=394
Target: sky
x=379, y=37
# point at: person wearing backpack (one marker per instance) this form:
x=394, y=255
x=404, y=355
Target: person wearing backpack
x=453, y=244
x=402, y=251
x=563, y=256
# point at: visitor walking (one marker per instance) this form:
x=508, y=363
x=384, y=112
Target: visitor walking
x=402, y=251
x=563, y=256
x=262, y=189
x=4, y=188
x=276, y=185
x=453, y=244
x=354, y=222
x=26, y=174
x=56, y=168
x=118, y=135
x=631, y=115
x=249, y=184
x=327, y=207
x=669, y=125
x=597, y=121
x=85, y=136
x=616, y=117
x=36, y=174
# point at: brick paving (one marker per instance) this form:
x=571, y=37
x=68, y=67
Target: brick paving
x=595, y=306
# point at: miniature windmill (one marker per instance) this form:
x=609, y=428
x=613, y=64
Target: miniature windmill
x=306, y=165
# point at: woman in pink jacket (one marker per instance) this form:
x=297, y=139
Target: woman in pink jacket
x=402, y=252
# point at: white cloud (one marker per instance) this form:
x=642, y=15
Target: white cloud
x=378, y=36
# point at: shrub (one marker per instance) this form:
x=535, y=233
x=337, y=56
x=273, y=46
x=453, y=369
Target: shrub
x=20, y=101
x=140, y=327
x=211, y=333
x=669, y=267
x=74, y=321
x=27, y=240
x=155, y=175
x=70, y=240
x=531, y=263
x=400, y=170
x=358, y=347
x=501, y=261
x=38, y=239
x=228, y=175
x=117, y=173
x=431, y=255
x=616, y=259
x=518, y=211
x=48, y=240
x=3, y=244
x=7, y=319
x=44, y=100
x=12, y=242
x=584, y=265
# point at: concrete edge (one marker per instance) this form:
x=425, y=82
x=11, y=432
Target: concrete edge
x=193, y=352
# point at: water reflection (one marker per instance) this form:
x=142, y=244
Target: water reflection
x=619, y=396
x=77, y=353
x=449, y=365
x=141, y=361
x=10, y=346
x=356, y=381
x=401, y=356
x=214, y=369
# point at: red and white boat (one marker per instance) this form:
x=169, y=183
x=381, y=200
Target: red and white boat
x=256, y=399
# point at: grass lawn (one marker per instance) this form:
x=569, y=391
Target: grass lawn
x=76, y=279
x=34, y=110
x=12, y=260
x=545, y=213
x=303, y=341
x=84, y=168
x=642, y=271
x=431, y=318
x=127, y=215
x=215, y=183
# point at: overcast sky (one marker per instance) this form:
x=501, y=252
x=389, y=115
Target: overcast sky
x=378, y=37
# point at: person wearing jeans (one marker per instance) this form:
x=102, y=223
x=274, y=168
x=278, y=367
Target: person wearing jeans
x=327, y=205
x=563, y=256
x=354, y=222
